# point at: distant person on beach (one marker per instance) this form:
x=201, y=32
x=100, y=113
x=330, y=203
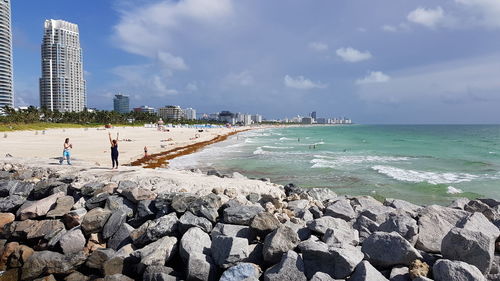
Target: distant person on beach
x=145, y=151
x=66, y=152
x=114, y=150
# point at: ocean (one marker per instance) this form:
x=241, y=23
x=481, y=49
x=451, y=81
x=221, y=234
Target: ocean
x=424, y=164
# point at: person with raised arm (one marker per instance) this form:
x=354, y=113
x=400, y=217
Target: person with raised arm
x=114, y=150
x=66, y=152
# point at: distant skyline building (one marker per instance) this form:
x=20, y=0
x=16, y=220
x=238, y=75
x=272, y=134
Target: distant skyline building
x=121, y=103
x=257, y=118
x=170, y=112
x=62, y=85
x=6, y=83
x=189, y=113
x=145, y=108
x=313, y=115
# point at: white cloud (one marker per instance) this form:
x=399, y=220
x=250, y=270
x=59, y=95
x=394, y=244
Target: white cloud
x=374, y=77
x=427, y=17
x=389, y=28
x=300, y=82
x=318, y=46
x=144, y=79
x=192, y=87
x=482, y=12
x=171, y=62
x=352, y=55
x=244, y=78
x=463, y=81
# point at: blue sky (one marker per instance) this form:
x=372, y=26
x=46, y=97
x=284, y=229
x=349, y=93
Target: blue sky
x=386, y=61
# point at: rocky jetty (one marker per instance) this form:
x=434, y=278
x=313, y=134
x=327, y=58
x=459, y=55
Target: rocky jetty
x=56, y=226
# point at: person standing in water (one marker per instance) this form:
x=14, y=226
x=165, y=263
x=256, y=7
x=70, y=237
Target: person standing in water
x=66, y=152
x=114, y=150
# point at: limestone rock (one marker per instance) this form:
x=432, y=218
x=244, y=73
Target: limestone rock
x=341, y=209
x=241, y=272
x=402, y=224
x=242, y=215
x=346, y=259
x=366, y=272
x=316, y=257
x=322, y=224
x=389, y=249
x=233, y=230
x=194, y=241
x=321, y=194
x=445, y=270
x=434, y=223
x=264, y=223
x=137, y=194
x=280, y=241
x=94, y=220
x=290, y=267
x=228, y=251
x=340, y=236
x=418, y=269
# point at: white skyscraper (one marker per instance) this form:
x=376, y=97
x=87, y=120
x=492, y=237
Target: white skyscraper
x=189, y=113
x=6, y=91
x=62, y=86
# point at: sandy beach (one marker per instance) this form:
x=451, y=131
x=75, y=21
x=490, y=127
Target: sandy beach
x=92, y=144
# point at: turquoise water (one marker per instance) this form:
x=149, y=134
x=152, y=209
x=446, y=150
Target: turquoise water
x=423, y=163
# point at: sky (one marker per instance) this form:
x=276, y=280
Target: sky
x=385, y=61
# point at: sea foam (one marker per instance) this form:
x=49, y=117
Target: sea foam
x=423, y=176
x=323, y=161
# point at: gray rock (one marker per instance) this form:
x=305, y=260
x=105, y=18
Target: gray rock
x=115, y=202
x=316, y=212
x=303, y=214
x=280, y=241
x=200, y=267
x=98, y=257
x=378, y=214
x=233, y=230
x=194, y=241
x=316, y=257
x=47, y=262
x=389, y=249
x=228, y=251
x=255, y=255
x=290, y=268
x=478, y=206
x=434, y=223
x=117, y=277
x=340, y=236
x=291, y=189
x=473, y=242
x=363, y=203
x=366, y=272
x=206, y=206
x=264, y=223
x=35, y=209
x=11, y=203
x=402, y=224
x=241, y=272
x=116, y=219
x=72, y=241
x=90, y=188
x=75, y=276
x=298, y=204
x=400, y=273
x=301, y=229
x=137, y=194
x=445, y=270
x=341, y=209
x=22, y=189
x=99, y=200
x=31, y=229
x=346, y=259
x=321, y=194
x=158, y=252
x=162, y=226
x=322, y=224
x=459, y=203
x=242, y=215
x=189, y=220
x=181, y=201
x=365, y=227
x=145, y=209
x=402, y=205
x=320, y=276
x=121, y=237
x=63, y=206
x=157, y=273
x=94, y=220
x=115, y=265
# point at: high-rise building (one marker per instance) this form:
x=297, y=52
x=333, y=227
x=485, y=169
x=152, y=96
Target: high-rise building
x=121, y=104
x=6, y=87
x=144, y=108
x=62, y=86
x=257, y=118
x=170, y=112
x=189, y=113
x=313, y=115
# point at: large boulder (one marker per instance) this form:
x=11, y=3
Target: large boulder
x=473, y=242
x=228, y=251
x=158, y=252
x=389, y=249
x=72, y=241
x=136, y=194
x=280, y=241
x=366, y=272
x=121, y=237
x=47, y=262
x=113, y=223
x=94, y=220
x=402, y=205
x=35, y=209
x=63, y=206
x=322, y=224
x=340, y=236
x=365, y=227
x=98, y=257
x=405, y=225
x=264, y=223
x=321, y=194
x=11, y=203
x=194, y=241
x=233, y=230
x=346, y=259
x=434, y=223
x=341, y=209
x=206, y=206
x=241, y=214
x=290, y=268
x=446, y=270
x=200, y=267
x=162, y=226
x=241, y=272
x=189, y=220
x=30, y=229
x=317, y=257
x=158, y=273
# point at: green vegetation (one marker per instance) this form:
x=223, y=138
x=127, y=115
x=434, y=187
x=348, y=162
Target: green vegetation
x=41, y=119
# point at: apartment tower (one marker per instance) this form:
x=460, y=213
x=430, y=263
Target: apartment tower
x=6, y=88
x=62, y=86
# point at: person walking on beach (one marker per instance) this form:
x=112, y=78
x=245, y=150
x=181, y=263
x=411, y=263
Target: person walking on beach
x=145, y=151
x=114, y=150
x=66, y=152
